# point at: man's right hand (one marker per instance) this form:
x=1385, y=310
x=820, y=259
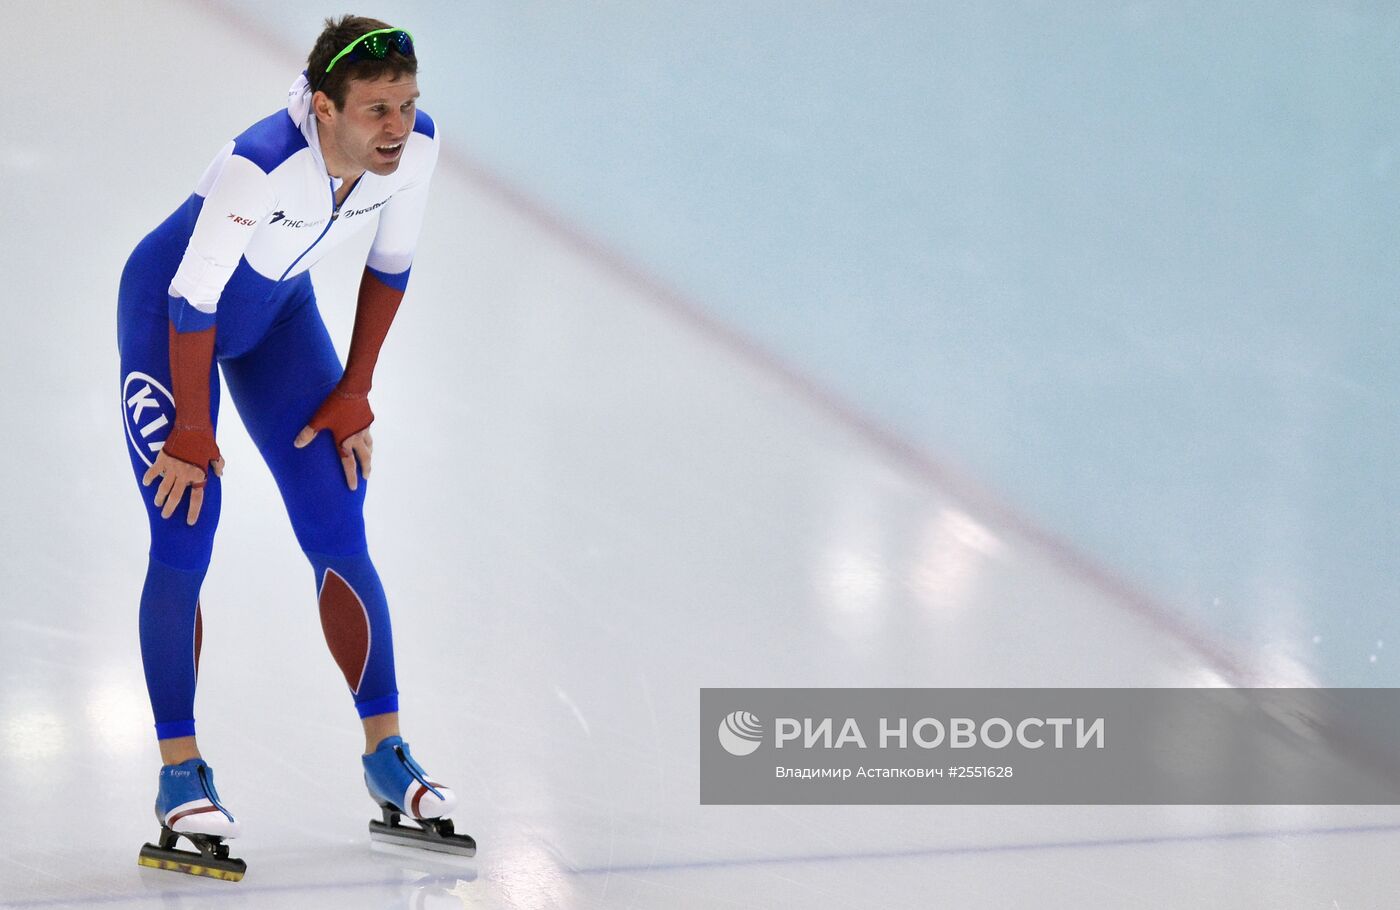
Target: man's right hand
x=176, y=476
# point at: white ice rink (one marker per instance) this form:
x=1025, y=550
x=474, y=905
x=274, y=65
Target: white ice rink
x=587, y=504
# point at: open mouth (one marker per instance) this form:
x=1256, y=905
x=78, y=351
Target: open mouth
x=389, y=151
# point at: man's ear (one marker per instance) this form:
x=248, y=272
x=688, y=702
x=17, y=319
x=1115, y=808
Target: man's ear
x=321, y=103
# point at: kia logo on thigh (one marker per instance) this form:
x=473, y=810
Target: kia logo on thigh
x=148, y=409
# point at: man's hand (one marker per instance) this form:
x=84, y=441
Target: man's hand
x=356, y=446
x=176, y=476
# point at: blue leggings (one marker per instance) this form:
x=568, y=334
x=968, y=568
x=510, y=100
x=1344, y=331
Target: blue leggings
x=276, y=383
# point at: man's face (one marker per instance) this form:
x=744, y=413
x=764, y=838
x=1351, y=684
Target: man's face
x=370, y=131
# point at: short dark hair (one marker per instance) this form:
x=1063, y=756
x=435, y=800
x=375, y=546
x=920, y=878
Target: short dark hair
x=337, y=34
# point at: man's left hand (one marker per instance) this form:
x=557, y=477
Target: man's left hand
x=338, y=410
x=359, y=446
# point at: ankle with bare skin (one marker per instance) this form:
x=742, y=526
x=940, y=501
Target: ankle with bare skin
x=378, y=727
x=178, y=749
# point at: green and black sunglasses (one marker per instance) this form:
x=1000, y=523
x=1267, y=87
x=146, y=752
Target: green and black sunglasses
x=373, y=45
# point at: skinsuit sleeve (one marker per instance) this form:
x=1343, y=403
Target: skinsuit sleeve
x=346, y=410
x=239, y=199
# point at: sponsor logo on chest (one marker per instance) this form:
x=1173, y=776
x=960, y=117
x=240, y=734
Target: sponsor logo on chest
x=355, y=213
x=282, y=219
x=290, y=221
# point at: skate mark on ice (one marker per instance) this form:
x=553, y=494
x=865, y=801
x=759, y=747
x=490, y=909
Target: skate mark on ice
x=990, y=849
x=238, y=892
x=573, y=708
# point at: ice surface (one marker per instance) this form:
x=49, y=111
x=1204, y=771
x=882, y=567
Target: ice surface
x=585, y=507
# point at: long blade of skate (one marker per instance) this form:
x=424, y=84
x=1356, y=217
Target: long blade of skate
x=404, y=836
x=229, y=870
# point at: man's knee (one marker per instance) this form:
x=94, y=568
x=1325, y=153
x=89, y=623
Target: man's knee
x=332, y=532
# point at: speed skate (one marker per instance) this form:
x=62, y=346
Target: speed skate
x=188, y=806
x=414, y=807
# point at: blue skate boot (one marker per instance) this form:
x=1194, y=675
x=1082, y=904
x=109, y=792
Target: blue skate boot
x=187, y=805
x=402, y=788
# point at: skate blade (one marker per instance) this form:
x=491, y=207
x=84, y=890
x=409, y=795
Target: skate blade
x=419, y=839
x=229, y=870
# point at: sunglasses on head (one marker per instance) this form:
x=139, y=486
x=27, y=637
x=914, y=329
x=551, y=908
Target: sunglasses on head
x=373, y=45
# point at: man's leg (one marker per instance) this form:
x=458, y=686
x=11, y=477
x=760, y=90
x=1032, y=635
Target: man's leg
x=277, y=387
x=171, y=624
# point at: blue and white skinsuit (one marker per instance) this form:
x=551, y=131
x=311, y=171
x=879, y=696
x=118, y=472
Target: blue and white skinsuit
x=236, y=254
